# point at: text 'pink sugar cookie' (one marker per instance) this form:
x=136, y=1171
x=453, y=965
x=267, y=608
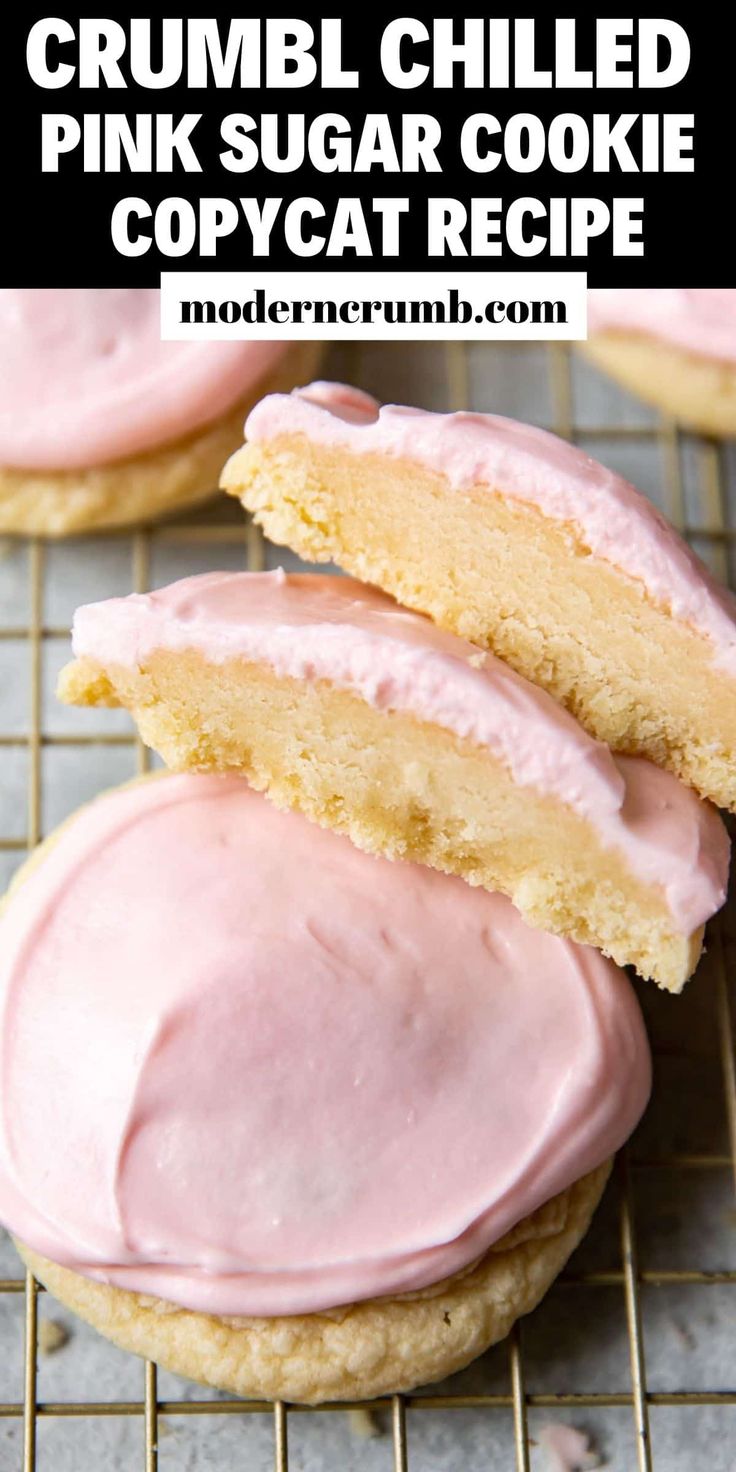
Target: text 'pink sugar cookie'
x=373, y=721
x=520, y=542
x=266, y=1076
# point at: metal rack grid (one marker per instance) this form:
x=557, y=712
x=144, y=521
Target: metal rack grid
x=714, y=531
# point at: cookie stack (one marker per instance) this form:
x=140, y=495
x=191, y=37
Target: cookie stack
x=334, y=1009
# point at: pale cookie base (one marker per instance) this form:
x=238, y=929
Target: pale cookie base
x=701, y=392
x=397, y=786
x=61, y=503
x=501, y=574
x=352, y=1353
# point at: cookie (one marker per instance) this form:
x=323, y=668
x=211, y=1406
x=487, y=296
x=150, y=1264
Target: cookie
x=418, y=745
x=102, y=424
x=329, y=1123
x=674, y=348
x=520, y=542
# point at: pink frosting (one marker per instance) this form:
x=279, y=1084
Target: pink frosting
x=85, y=378
x=321, y=627
x=527, y=464
x=702, y=322
x=252, y=1070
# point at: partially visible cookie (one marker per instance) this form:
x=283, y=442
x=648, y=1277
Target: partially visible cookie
x=102, y=424
x=674, y=348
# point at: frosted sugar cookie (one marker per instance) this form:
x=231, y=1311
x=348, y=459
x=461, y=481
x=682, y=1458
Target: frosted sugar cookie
x=674, y=348
x=102, y=424
x=239, y=1056
x=418, y=745
x=520, y=542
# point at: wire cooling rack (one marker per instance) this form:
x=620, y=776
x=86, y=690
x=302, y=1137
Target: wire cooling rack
x=637, y=1341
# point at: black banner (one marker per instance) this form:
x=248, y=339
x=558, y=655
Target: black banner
x=149, y=169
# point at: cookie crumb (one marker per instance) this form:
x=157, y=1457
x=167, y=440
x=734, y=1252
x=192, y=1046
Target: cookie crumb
x=364, y=1422
x=567, y=1448
x=52, y=1336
